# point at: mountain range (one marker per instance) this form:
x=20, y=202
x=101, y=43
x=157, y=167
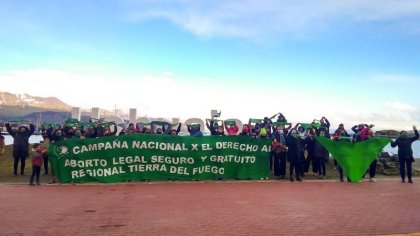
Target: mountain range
x=32, y=107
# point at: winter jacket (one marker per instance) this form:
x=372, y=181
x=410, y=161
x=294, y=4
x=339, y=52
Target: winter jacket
x=20, y=140
x=295, y=152
x=37, y=158
x=232, y=129
x=404, y=145
x=320, y=151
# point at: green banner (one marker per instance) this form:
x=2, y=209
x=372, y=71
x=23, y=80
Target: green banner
x=275, y=124
x=139, y=157
x=354, y=158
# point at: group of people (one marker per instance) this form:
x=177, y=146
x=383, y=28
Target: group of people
x=296, y=145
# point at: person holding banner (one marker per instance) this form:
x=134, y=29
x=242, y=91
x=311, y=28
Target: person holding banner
x=220, y=131
x=267, y=124
x=159, y=131
x=325, y=124
x=212, y=125
x=280, y=117
x=279, y=156
x=231, y=127
x=365, y=134
x=320, y=154
x=68, y=132
x=405, y=153
x=173, y=131
x=295, y=154
x=194, y=129
x=20, y=145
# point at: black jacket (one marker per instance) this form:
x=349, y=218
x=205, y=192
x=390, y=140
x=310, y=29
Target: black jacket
x=404, y=145
x=295, y=152
x=20, y=140
x=320, y=151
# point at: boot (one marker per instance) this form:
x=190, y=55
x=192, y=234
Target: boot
x=31, y=181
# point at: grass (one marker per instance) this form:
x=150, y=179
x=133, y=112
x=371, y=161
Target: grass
x=6, y=170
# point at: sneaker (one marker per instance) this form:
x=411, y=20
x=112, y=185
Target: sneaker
x=299, y=179
x=292, y=179
x=31, y=184
x=410, y=181
x=341, y=180
x=403, y=181
x=324, y=177
x=14, y=174
x=372, y=180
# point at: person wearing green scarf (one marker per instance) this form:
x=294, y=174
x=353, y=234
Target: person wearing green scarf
x=405, y=153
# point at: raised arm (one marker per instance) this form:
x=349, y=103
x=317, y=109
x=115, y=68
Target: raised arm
x=31, y=129
x=272, y=117
x=208, y=125
x=394, y=144
x=327, y=122
x=9, y=129
x=354, y=128
x=416, y=134
x=179, y=128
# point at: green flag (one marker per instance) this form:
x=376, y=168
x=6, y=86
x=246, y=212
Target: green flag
x=316, y=125
x=354, y=158
x=160, y=123
x=230, y=122
x=280, y=124
x=87, y=124
x=255, y=121
x=305, y=125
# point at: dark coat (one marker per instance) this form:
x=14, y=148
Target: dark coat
x=295, y=152
x=20, y=140
x=320, y=151
x=404, y=145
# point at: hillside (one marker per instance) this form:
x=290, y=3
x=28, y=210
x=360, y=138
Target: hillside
x=21, y=105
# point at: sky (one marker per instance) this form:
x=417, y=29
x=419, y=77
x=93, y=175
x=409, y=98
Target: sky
x=353, y=61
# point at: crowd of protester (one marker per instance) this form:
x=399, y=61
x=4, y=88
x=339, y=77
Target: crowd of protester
x=294, y=144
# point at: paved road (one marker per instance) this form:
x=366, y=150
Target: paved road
x=212, y=208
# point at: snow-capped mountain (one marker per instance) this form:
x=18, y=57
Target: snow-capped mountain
x=26, y=100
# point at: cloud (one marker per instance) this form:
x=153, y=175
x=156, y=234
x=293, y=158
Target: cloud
x=398, y=106
x=168, y=95
x=258, y=18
